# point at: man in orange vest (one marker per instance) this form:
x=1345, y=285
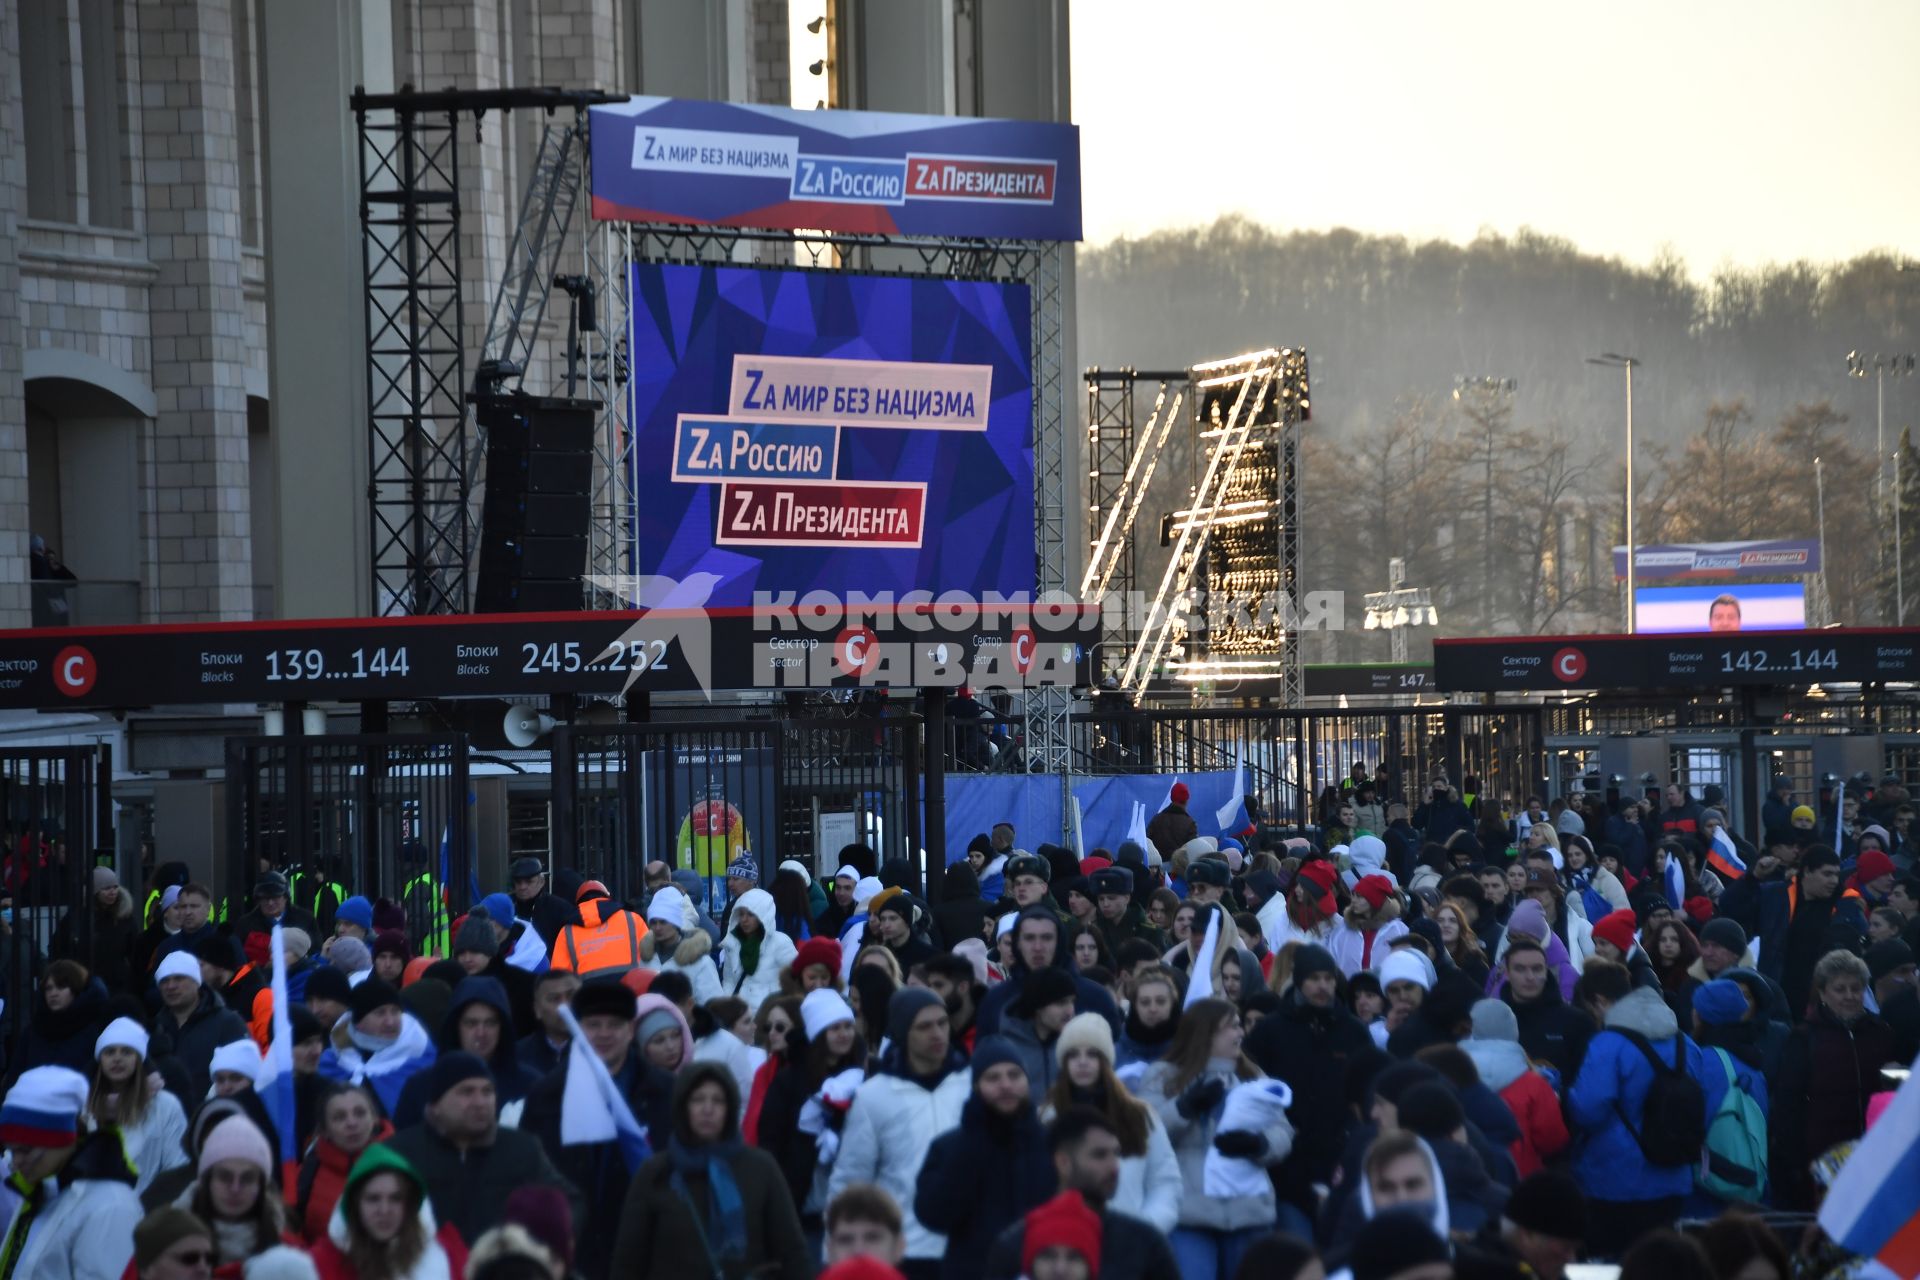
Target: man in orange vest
x=606, y=943
x=1797, y=917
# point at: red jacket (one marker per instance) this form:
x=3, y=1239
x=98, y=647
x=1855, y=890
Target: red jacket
x=323, y=1176
x=1543, y=1130
x=762, y=1077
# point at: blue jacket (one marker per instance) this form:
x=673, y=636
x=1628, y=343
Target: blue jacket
x=1092, y=997
x=1614, y=1078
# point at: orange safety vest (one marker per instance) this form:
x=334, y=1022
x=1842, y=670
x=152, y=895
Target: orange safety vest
x=605, y=945
x=1793, y=898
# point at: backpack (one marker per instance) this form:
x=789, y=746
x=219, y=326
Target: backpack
x=1673, y=1117
x=1734, y=1164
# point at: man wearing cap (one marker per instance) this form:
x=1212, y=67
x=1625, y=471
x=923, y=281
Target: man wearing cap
x=238, y=983
x=1173, y=826
x=478, y=948
x=469, y=1163
x=193, y=1021
x=1797, y=917
x=1207, y=879
x=70, y=1202
x=1539, y=1233
x=1029, y=878
x=1116, y=913
x=1040, y=942
x=608, y=940
x=547, y=912
x=271, y=907
x=916, y=1094
x=109, y=956
x=606, y=1012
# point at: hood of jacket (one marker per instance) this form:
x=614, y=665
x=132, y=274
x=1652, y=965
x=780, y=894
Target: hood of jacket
x=88, y=1008
x=374, y=1160
x=959, y=884
x=1644, y=1012
x=1062, y=952
x=491, y=992
x=1437, y=1216
x=758, y=903
x=1500, y=1062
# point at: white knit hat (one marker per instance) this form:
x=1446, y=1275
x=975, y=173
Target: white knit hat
x=1406, y=965
x=242, y=1057
x=791, y=865
x=178, y=964
x=822, y=1008
x=673, y=906
x=1005, y=925
x=1085, y=1031
x=124, y=1033
x=867, y=889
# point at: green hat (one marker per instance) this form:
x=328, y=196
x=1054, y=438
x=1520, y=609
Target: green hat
x=384, y=1159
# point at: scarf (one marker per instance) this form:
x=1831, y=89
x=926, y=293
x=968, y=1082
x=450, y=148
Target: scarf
x=1141, y=1034
x=378, y=1055
x=33, y=1200
x=724, y=1228
x=750, y=951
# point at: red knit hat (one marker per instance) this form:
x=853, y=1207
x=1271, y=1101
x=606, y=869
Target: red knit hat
x=1063, y=1220
x=1375, y=889
x=1180, y=793
x=1872, y=865
x=1321, y=875
x=1699, y=909
x=816, y=951
x=862, y=1266
x=1617, y=927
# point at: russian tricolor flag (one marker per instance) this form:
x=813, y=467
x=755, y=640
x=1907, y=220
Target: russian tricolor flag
x=1724, y=857
x=274, y=1083
x=1232, y=815
x=1873, y=1209
x=593, y=1109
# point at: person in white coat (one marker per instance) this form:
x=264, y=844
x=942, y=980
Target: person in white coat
x=1150, y=1183
x=1188, y=1089
x=75, y=1218
x=675, y=942
x=152, y=1123
x=754, y=953
x=916, y=1095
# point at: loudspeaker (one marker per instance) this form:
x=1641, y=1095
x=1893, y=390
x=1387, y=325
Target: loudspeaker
x=537, y=505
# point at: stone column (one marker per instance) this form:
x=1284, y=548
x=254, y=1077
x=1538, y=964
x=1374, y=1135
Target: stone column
x=15, y=610
x=203, y=569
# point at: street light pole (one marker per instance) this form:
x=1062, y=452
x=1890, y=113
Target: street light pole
x=1608, y=360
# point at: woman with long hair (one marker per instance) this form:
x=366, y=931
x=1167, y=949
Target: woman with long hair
x=1188, y=1089
x=1672, y=948
x=1150, y=1185
x=152, y=1123
x=1160, y=909
x=775, y=1032
x=383, y=1227
x=234, y=1193
x=350, y=1122
x=1153, y=1015
x=792, y=908
x=806, y=1105
x=1461, y=943
x=870, y=993
x=66, y=1019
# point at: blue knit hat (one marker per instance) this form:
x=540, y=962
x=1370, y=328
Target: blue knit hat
x=356, y=910
x=990, y=1052
x=744, y=868
x=1720, y=1003
x=499, y=908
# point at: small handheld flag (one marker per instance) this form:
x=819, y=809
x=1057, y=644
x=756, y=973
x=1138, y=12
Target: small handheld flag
x=1233, y=814
x=274, y=1079
x=1873, y=1208
x=1724, y=857
x=1137, y=826
x=1201, y=985
x=593, y=1109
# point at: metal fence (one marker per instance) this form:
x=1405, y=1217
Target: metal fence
x=697, y=795
x=56, y=816
x=1292, y=757
x=386, y=816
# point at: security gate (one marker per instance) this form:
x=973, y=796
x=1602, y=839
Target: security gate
x=698, y=795
x=56, y=818
x=385, y=816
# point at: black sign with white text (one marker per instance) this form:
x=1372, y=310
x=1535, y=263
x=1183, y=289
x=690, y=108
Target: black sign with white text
x=1543, y=664
x=1368, y=679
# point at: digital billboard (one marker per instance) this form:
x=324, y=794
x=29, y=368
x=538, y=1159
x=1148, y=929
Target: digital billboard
x=800, y=431
x=1762, y=606
x=1766, y=558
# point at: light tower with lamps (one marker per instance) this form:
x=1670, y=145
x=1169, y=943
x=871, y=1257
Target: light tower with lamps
x=1609, y=360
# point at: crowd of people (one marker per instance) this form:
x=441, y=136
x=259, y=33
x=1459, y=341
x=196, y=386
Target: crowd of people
x=1425, y=1037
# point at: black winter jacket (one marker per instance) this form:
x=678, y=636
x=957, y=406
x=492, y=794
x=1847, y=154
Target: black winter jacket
x=980, y=1178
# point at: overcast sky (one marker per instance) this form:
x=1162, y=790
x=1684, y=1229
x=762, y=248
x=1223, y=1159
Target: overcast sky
x=1737, y=132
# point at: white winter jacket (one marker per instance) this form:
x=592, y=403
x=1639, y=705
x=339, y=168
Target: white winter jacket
x=84, y=1233
x=158, y=1142
x=776, y=953
x=693, y=957
x=889, y=1128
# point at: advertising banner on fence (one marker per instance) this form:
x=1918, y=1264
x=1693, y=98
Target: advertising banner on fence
x=801, y=431
x=1748, y=606
x=875, y=172
x=1771, y=558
